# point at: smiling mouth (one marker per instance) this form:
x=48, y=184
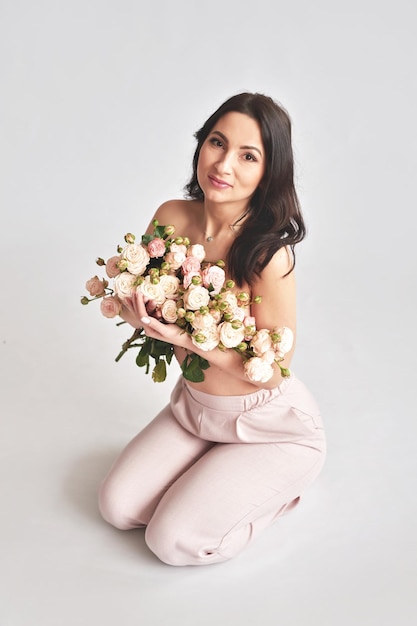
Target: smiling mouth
x=220, y=184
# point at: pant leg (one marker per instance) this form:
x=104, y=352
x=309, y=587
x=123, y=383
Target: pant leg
x=227, y=497
x=145, y=469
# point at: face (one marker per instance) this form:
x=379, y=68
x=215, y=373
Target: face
x=231, y=163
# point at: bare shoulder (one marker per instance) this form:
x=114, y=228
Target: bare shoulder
x=280, y=265
x=178, y=212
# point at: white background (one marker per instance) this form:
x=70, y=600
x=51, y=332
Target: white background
x=99, y=103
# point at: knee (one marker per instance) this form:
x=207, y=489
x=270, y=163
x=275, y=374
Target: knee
x=181, y=545
x=114, y=507
x=169, y=544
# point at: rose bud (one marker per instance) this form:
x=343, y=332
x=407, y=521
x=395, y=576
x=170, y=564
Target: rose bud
x=129, y=238
x=100, y=261
x=168, y=230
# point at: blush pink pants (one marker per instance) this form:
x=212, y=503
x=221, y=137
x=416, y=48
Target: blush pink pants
x=210, y=472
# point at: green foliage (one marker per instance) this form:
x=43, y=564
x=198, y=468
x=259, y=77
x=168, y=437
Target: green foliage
x=192, y=367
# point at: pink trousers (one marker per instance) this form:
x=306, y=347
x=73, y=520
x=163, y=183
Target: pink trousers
x=210, y=472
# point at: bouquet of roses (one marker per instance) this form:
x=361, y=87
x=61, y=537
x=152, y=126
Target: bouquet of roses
x=192, y=293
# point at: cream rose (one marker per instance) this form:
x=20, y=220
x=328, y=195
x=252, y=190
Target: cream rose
x=196, y=297
x=123, y=284
x=258, y=370
x=203, y=321
x=112, y=266
x=229, y=336
x=286, y=343
x=152, y=291
x=207, y=339
x=136, y=257
x=169, y=311
x=230, y=299
x=261, y=342
x=169, y=285
x=96, y=287
x=198, y=251
x=215, y=276
x=110, y=306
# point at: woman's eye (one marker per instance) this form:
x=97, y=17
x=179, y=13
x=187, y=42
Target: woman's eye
x=216, y=142
x=249, y=157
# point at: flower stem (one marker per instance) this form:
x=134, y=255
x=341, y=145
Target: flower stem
x=128, y=344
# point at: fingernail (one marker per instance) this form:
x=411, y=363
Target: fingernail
x=145, y=320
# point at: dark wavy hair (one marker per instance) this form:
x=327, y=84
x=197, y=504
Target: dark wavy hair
x=275, y=219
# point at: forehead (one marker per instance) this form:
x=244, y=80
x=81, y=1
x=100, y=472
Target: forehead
x=240, y=128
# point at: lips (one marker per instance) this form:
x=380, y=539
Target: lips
x=218, y=183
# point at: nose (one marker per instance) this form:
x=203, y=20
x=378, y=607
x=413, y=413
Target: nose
x=224, y=164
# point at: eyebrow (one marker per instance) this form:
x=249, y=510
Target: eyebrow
x=217, y=132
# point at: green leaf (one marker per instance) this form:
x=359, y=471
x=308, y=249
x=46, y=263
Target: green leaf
x=159, y=372
x=204, y=364
x=192, y=368
x=159, y=231
x=160, y=348
x=142, y=358
x=146, y=239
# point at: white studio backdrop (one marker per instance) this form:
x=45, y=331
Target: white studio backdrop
x=98, y=105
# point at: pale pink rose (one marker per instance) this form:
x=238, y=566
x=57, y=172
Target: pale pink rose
x=137, y=258
x=261, y=342
x=176, y=256
x=169, y=285
x=269, y=356
x=286, y=343
x=96, y=287
x=249, y=320
x=169, y=311
x=229, y=336
x=249, y=323
x=112, y=266
x=198, y=251
x=258, y=370
x=110, y=306
x=156, y=248
x=239, y=314
x=215, y=276
x=152, y=291
x=123, y=284
x=216, y=315
x=196, y=297
x=188, y=277
x=207, y=339
x=202, y=321
x=190, y=264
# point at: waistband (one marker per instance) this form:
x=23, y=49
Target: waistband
x=238, y=403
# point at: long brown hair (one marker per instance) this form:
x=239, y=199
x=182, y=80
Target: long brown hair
x=275, y=219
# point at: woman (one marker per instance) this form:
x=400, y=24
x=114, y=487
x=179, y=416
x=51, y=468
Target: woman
x=227, y=456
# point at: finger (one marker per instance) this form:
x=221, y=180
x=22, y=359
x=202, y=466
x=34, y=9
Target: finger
x=140, y=305
x=150, y=306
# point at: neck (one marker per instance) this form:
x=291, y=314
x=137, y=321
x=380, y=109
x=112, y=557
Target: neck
x=221, y=221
